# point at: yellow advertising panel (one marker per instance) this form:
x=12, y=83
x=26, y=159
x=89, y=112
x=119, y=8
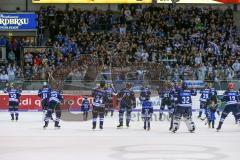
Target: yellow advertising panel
x=191, y=1
x=92, y=1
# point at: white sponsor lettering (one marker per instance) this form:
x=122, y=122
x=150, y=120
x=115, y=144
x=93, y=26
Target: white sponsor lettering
x=79, y=100
x=27, y=101
x=12, y=20
x=37, y=102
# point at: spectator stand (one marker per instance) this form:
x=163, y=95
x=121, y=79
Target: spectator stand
x=36, y=61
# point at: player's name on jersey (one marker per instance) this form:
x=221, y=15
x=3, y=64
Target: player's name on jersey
x=92, y=1
x=200, y=1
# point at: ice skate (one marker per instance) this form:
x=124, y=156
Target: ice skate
x=219, y=126
x=56, y=125
x=127, y=124
x=45, y=125
x=120, y=126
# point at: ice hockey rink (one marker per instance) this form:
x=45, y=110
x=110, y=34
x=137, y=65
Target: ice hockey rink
x=26, y=140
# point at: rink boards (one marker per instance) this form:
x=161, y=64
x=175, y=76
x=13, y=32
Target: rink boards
x=31, y=102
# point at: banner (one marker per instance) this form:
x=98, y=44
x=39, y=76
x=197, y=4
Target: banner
x=201, y=1
x=18, y=21
x=37, y=49
x=33, y=102
x=195, y=84
x=92, y=1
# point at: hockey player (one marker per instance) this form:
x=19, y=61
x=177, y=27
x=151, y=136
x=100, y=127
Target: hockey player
x=55, y=99
x=231, y=97
x=183, y=108
x=212, y=108
x=144, y=94
x=127, y=103
x=85, y=107
x=147, y=111
x=206, y=95
x=214, y=93
x=99, y=100
x=166, y=100
x=174, y=89
x=14, y=99
x=43, y=93
x=147, y=108
x=109, y=103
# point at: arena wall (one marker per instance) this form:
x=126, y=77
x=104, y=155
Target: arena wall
x=11, y=5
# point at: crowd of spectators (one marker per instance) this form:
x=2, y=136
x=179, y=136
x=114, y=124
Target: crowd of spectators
x=192, y=43
x=11, y=69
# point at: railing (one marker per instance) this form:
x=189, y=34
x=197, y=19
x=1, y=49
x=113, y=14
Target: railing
x=88, y=85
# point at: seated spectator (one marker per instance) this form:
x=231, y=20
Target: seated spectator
x=11, y=70
x=28, y=58
x=4, y=77
x=28, y=71
x=37, y=61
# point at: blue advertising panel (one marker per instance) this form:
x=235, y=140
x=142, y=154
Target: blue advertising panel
x=196, y=84
x=18, y=21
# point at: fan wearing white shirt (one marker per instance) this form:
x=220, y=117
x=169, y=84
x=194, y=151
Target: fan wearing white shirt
x=236, y=66
x=4, y=77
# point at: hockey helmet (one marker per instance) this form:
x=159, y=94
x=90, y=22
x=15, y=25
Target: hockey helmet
x=231, y=85
x=128, y=85
x=45, y=84
x=206, y=85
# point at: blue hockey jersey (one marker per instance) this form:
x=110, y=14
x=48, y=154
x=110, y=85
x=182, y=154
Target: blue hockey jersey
x=110, y=92
x=44, y=93
x=85, y=105
x=206, y=95
x=127, y=97
x=231, y=97
x=55, y=96
x=184, y=97
x=168, y=93
x=214, y=92
x=99, y=97
x=14, y=94
x=147, y=107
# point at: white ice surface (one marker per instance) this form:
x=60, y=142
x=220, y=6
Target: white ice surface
x=26, y=140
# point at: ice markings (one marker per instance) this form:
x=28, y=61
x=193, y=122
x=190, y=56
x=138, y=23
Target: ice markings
x=167, y=152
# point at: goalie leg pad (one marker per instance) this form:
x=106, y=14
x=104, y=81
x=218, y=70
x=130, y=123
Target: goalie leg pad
x=190, y=124
x=175, y=123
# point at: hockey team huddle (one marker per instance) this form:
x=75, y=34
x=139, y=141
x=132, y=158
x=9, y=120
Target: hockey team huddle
x=177, y=98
